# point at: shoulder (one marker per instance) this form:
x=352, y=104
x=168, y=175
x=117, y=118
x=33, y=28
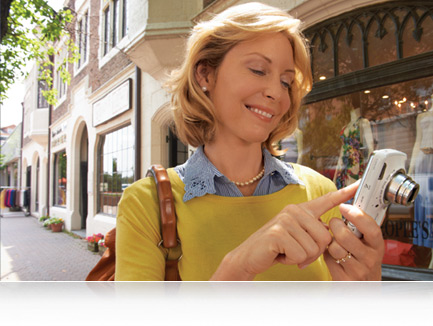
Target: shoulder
x=144, y=192
x=139, y=199
x=140, y=188
x=313, y=180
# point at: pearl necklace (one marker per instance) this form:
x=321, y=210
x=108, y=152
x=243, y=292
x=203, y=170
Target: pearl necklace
x=251, y=181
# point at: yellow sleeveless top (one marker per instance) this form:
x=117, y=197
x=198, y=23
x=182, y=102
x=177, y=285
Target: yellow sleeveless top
x=208, y=227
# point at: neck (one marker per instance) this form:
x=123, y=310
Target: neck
x=237, y=163
x=355, y=114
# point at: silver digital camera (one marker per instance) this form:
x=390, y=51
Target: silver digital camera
x=384, y=182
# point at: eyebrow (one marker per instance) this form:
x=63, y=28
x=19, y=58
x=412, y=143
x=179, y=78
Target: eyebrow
x=269, y=60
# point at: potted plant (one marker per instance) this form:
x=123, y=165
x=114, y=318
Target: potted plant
x=56, y=224
x=44, y=218
x=47, y=223
x=101, y=246
x=92, y=242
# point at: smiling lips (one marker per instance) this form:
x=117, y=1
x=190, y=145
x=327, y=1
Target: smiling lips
x=260, y=112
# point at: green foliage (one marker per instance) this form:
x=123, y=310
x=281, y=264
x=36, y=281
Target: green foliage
x=56, y=220
x=53, y=220
x=43, y=218
x=2, y=166
x=33, y=29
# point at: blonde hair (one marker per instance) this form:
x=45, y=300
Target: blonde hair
x=194, y=112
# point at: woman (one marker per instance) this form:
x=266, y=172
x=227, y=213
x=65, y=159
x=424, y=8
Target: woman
x=243, y=214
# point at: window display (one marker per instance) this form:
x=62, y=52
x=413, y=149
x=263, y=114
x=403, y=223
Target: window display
x=373, y=86
x=339, y=134
x=60, y=179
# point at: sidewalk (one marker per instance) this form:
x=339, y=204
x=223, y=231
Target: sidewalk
x=29, y=252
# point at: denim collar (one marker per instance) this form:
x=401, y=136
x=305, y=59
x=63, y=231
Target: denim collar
x=200, y=175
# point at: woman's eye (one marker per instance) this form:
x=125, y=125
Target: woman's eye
x=285, y=84
x=257, y=72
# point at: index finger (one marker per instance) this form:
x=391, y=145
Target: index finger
x=319, y=206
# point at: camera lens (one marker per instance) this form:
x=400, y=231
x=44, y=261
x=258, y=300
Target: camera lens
x=401, y=190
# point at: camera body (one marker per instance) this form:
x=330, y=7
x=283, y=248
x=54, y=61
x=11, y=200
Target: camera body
x=384, y=182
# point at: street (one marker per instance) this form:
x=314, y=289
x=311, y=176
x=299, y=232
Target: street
x=29, y=252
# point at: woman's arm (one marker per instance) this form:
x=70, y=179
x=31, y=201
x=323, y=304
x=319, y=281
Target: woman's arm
x=138, y=257
x=296, y=236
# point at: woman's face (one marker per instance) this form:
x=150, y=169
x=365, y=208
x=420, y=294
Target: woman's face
x=250, y=89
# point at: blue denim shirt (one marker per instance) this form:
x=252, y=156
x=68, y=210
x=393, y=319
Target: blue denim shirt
x=201, y=177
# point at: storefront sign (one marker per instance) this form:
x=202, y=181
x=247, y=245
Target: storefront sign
x=58, y=135
x=58, y=130
x=113, y=104
x=407, y=229
x=59, y=140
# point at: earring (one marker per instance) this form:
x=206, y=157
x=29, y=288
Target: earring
x=204, y=89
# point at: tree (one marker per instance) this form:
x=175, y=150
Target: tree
x=29, y=31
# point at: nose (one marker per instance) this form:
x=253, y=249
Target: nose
x=273, y=89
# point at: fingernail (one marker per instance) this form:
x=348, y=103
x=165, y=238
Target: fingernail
x=344, y=208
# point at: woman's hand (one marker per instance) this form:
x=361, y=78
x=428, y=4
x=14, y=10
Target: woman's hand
x=295, y=236
x=350, y=258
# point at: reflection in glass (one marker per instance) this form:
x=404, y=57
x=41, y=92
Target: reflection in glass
x=382, y=44
x=323, y=57
x=417, y=38
x=400, y=116
x=60, y=179
x=349, y=47
x=375, y=35
x=117, y=170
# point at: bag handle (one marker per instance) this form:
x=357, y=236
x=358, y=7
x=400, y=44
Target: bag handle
x=166, y=206
x=104, y=270
x=168, y=221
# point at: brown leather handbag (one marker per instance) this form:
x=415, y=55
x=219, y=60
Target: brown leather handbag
x=105, y=268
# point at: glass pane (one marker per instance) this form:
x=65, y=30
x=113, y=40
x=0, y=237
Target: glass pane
x=420, y=40
x=60, y=179
x=338, y=135
x=382, y=43
x=118, y=173
x=350, y=51
x=323, y=58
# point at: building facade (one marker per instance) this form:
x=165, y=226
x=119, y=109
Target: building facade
x=10, y=160
x=372, y=67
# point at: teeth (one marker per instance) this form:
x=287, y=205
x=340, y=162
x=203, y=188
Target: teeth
x=255, y=110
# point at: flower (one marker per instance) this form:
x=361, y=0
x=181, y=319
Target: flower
x=101, y=243
x=55, y=220
x=95, y=238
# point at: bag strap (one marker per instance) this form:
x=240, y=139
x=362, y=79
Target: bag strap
x=168, y=221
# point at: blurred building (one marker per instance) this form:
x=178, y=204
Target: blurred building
x=10, y=161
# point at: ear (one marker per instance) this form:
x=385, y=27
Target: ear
x=204, y=75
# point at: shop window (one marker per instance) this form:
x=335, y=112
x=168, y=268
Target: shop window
x=116, y=168
x=372, y=36
x=323, y=56
x=417, y=34
x=349, y=47
x=60, y=179
x=389, y=105
x=398, y=116
x=381, y=38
